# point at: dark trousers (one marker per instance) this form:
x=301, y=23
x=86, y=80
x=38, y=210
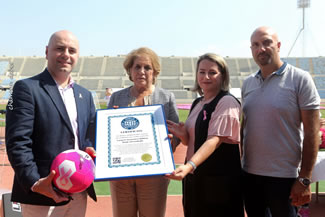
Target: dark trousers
x=212, y=196
x=262, y=193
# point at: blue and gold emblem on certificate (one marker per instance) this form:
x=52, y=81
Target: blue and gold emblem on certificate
x=130, y=123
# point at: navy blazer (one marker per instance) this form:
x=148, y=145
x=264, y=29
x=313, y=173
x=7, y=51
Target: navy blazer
x=38, y=128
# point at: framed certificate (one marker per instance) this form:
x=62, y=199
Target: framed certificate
x=132, y=142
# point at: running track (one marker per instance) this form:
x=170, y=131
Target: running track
x=103, y=206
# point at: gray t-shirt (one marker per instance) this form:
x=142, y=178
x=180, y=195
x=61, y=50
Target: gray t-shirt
x=272, y=142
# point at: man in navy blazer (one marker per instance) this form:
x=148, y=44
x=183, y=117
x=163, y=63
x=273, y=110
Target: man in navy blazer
x=48, y=114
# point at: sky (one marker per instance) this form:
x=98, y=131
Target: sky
x=169, y=27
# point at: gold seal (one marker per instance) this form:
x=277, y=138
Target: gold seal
x=146, y=157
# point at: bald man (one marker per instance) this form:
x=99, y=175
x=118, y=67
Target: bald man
x=278, y=153
x=47, y=114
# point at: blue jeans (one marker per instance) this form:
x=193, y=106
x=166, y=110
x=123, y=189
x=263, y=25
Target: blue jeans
x=264, y=194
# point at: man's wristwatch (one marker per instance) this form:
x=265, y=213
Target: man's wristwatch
x=306, y=182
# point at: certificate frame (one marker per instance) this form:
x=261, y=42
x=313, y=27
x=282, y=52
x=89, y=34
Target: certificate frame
x=132, y=142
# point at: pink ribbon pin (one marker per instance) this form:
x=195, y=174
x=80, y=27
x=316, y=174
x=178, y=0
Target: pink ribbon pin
x=204, y=115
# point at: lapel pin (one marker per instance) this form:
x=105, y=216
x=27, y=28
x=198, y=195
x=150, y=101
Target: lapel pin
x=80, y=96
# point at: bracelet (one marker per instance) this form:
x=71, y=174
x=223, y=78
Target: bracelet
x=192, y=164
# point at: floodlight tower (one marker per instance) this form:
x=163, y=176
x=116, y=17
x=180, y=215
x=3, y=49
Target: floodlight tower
x=301, y=4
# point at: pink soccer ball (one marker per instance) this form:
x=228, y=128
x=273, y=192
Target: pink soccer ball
x=75, y=171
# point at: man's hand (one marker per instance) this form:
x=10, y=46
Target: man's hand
x=44, y=186
x=91, y=151
x=300, y=194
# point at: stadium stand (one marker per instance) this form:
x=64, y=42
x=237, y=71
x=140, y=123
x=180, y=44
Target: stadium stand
x=78, y=66
x=184, y=94
x=114, y=66
x=127, y=83
x=92, y=66
x=254, y=66
x=319, y=82
x=7, y=81
x=318, y=64
x=18, y=63
x=233, y=66
x=170, y=66
x=91, y=84
x=244, y=65
x=235, y=82
x=188, y=83
x=3, y=66
x=177, y=73
x=170, y=83
x=112, y=82
x=6, y=95
x=290, y=60
x=188, y=68
x=321, y=94
x=304, y=63
x=33, y=65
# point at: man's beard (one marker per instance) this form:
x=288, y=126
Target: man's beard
x=263, y=59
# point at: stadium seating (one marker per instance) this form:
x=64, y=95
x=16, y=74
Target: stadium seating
x=291, y=60
x=92, y=66
x=235, y=82
x=188, y=66
x=7, y=82
x=112, y=83
x=233, y=66
x=188, y=82
x=33, y=65
x=254, y=66
x=3, y=66
x=321, y=94
x=177, y=73
x=114, y=66
x=318, y=65
x=304, y=63
x=319, y=82
x=244, y=65
x=127, y=82
x=78, y=66
x=91, y=84
x=170, y=83
x=170, y=66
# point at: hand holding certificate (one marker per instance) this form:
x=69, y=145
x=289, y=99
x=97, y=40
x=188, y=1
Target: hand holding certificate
x=132, y=142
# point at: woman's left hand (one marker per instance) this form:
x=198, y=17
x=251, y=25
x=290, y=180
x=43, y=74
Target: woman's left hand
x=178, y=130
